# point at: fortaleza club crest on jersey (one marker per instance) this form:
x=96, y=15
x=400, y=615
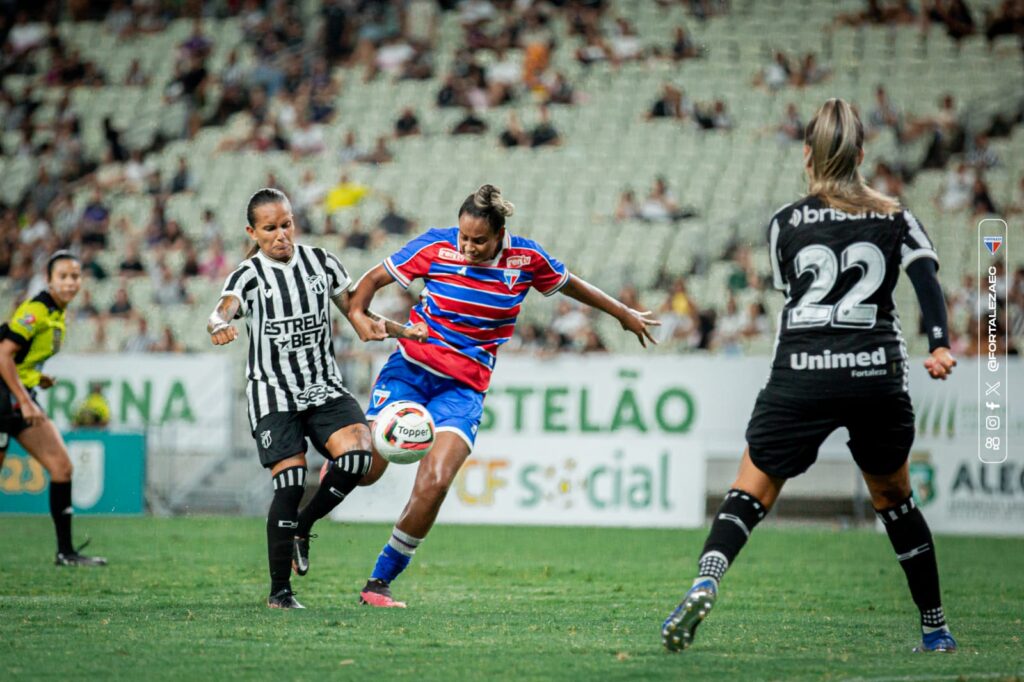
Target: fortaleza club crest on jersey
x=28, y=321
x=316, y=283
x=380, y=397
x=511, y=277
x=922, y=478
x=265, y=439
x=993, y=244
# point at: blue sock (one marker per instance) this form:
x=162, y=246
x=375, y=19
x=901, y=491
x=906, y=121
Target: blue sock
x=395, y=556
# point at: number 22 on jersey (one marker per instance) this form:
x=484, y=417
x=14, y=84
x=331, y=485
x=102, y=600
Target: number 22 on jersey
x=851, y=311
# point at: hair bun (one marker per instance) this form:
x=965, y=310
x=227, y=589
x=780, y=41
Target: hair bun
x=488, y=197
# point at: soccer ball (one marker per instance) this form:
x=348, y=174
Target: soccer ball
x=403, y=432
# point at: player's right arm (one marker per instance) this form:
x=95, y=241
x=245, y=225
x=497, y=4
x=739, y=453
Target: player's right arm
x=359, y=304
x=14, y=336
x=219, y=324
x=234, y=302
x=408, y=263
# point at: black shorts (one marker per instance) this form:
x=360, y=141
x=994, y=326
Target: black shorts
x=11, y=421
x=280, y=435
x=784, y=432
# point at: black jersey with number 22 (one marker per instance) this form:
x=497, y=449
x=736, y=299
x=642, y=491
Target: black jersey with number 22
x=839, y=334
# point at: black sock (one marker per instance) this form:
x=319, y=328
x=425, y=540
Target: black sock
x=60, y=512
x=910, y=537
x=289, y=485
x=340, y=480
x=733, y=523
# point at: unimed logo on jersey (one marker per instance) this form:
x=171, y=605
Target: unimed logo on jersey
x=295, y=333
x=830, y=360
x=810, y=215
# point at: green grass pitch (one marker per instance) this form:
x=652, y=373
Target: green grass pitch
x=183, y=599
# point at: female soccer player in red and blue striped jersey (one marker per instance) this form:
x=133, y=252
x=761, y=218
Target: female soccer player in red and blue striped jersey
x=476, y=275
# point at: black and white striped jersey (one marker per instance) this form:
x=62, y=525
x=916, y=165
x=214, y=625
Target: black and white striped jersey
x=839, y=333
x=287, y=314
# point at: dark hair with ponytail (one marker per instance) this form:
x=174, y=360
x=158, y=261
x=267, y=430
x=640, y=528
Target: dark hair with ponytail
x=267, y=195
x=58, y=256
x=488, y=203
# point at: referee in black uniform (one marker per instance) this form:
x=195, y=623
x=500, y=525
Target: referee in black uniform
x=295, y=388
x=840, y=361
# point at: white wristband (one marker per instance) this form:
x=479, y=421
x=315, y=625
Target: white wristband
x=216, y=324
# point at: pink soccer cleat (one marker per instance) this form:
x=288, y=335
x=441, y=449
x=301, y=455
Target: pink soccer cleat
x=378, y=593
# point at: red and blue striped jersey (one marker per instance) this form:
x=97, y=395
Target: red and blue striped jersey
x=470, y=310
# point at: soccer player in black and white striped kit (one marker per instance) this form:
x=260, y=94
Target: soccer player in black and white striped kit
x=295, y=389
x=840, y=361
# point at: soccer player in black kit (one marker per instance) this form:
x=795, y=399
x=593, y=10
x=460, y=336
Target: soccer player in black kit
x=295, y=389
x=840, y=361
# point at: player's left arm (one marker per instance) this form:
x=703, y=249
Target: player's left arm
x=382, y=326
x=635, y=321
x=923, y=274
x=921, y=264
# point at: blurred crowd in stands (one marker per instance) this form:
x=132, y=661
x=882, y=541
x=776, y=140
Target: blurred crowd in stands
x=285, y=100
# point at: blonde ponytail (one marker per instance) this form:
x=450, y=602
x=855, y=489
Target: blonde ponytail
x=835, y=137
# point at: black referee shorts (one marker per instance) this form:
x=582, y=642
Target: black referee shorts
x=11, y=421
x=784, y=432
x=280, y=435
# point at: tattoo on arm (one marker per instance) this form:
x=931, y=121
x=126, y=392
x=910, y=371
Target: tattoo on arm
x=341, y=301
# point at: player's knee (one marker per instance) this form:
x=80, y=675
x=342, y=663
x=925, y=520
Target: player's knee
x=436, y=486
x=885, y=496
x=61, y=469
x=371, y=477
x=377, y=468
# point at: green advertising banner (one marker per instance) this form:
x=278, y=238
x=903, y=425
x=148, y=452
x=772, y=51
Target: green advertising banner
x=182, y=402
x=109, y=476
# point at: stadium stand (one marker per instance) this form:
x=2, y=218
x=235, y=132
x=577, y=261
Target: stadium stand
x=82, y=94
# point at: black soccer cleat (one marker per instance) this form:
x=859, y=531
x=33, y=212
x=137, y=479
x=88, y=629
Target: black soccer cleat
x=76, y=559
x=300, y=554
x=284, y=599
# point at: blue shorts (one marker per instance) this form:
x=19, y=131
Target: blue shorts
x=454, y=406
